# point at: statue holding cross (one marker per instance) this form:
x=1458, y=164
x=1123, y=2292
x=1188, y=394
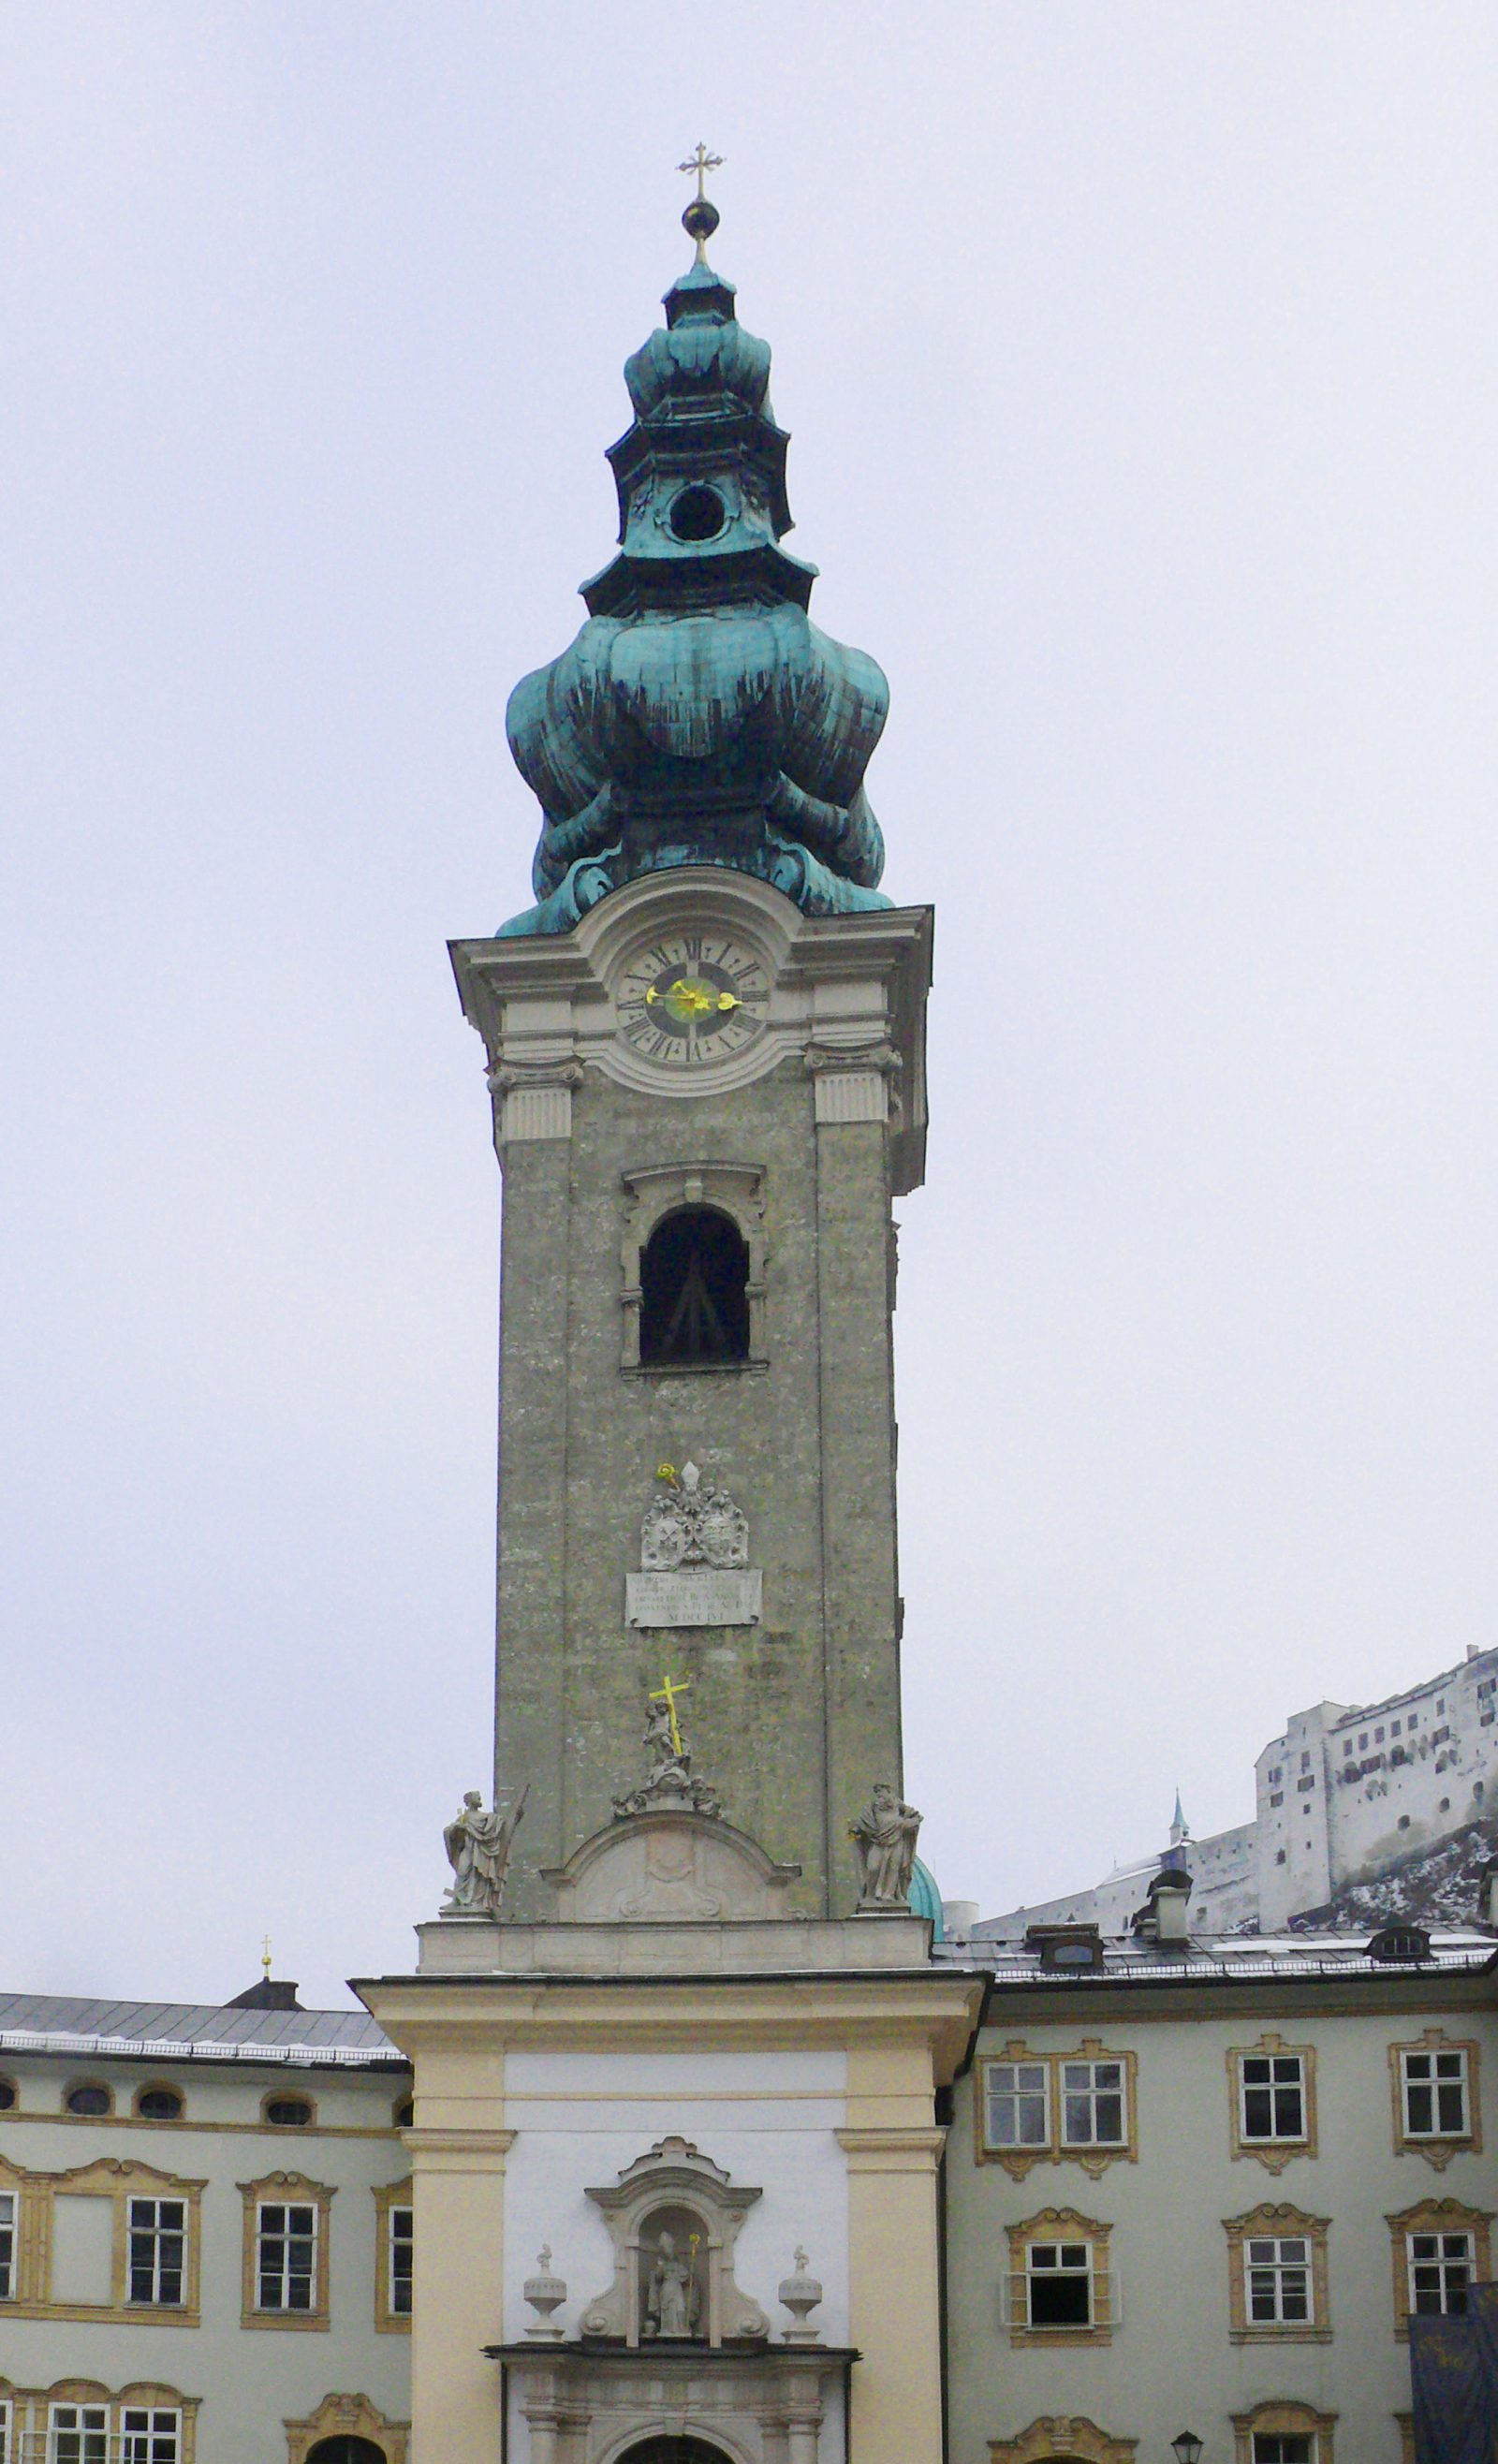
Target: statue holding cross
x=667, y=1695
x=670, y=1783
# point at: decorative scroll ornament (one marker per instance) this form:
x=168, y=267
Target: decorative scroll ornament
x=691, y=1525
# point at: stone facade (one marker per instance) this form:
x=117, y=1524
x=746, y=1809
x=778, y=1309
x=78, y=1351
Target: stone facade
x=798, y=1716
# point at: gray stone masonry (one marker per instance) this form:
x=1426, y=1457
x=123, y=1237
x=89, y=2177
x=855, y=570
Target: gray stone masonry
x=792, y=1721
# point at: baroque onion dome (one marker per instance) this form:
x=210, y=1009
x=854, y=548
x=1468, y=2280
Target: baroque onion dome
x=699, y=716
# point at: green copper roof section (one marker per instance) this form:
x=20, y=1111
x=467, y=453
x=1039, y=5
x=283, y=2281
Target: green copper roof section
x=700, y=717
x=925, y=1899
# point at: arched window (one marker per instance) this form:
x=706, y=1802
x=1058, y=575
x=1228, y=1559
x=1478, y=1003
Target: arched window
x=694, y=1292
x=345, y=2449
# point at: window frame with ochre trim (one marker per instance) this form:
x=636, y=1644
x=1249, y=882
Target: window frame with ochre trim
x=1436, y=2146
x=389, y=2197
x=1273, y=2154
x=283, y=2189
x=1283, y=2418
x=1280, y=2223
x=1061, y=2227
x=1094, y=2156
x=1433, y=2216
x=119, y=2179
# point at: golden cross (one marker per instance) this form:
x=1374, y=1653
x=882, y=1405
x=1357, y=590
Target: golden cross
x=670, y=1688
x=265, y=1952
x=702, y=163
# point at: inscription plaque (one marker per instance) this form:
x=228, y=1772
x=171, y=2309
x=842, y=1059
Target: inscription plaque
x=696, y=1595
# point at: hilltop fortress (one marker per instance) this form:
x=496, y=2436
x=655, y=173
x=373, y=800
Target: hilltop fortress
x=1350, y=1794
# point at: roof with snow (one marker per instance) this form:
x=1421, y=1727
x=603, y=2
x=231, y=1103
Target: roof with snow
x=74, y=2025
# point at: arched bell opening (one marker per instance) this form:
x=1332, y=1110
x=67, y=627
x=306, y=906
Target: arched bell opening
x=695, y=1292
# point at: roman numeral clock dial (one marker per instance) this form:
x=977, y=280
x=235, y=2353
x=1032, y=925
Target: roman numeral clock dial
x=690, y=998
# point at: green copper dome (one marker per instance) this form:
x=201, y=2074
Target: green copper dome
x=700, y=717
x=925, y=1899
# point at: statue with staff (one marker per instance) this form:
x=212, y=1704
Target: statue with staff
x=478, y=1846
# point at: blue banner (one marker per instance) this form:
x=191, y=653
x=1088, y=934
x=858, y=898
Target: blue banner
x=1454, y=2373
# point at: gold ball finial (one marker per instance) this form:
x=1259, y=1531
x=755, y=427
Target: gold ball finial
x=701, y=217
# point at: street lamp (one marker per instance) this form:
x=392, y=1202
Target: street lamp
x=1186, y=2449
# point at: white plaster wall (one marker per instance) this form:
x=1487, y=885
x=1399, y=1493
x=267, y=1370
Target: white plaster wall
x=769, y=2120
x=1171, y=2366
x=251, y=2380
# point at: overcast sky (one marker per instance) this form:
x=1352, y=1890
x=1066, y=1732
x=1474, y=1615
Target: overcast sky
x=1139, y=363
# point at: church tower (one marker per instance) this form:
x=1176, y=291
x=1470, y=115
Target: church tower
x=706, y=1053
x=678, y=2043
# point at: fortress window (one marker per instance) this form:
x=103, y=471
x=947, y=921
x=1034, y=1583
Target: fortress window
x=1377, y=1736
x=1395, y=1729
x=693, y=1295
x=1363, y=1744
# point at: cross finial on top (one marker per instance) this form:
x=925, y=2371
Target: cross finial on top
x=700, y=219
x=265, y=1952
x=702, y=163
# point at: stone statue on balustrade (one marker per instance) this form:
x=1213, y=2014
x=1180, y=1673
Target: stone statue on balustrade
x=884, y=1835
x=478, y=1845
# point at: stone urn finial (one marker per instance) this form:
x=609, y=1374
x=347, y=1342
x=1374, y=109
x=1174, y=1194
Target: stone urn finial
x=800, y=2292
x=545, y=2293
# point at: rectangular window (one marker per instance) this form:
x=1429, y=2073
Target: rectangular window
x=1279, y=2283
x=150, y=2435
x=1394, y=1728
x=402, y=2252
x=158, y=2252
x=6, y=2246
x=4, y=2432
x=1093, y=2104
x=1435, y=2095
x=79, y=2433
x=1305, y=1762
x=1059, y=2284
x=1018, y=2104
x=1283, y=2447
x=1362, y=1744
x=1377, y=1736
x=1272, y=2094
x=1440, y=2272
x=1414, y=1719
x=1277, y=1796
x=286, y=2259
x=1347, y=1745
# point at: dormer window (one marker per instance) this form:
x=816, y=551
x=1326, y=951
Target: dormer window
x=1397, y=1944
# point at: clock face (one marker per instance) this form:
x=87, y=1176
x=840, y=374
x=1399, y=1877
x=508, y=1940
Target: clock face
x=687, y=997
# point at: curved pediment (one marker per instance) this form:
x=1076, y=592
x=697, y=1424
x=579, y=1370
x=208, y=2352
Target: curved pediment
x=668, y=1865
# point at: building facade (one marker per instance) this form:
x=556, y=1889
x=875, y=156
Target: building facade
x=205, y=2235
x=1200, y=2188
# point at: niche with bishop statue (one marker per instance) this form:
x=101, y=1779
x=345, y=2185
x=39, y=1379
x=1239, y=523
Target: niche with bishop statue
x=673, y=2217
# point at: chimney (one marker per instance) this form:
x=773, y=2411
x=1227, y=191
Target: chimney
x=1162, y=1919
x=266, y=1993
